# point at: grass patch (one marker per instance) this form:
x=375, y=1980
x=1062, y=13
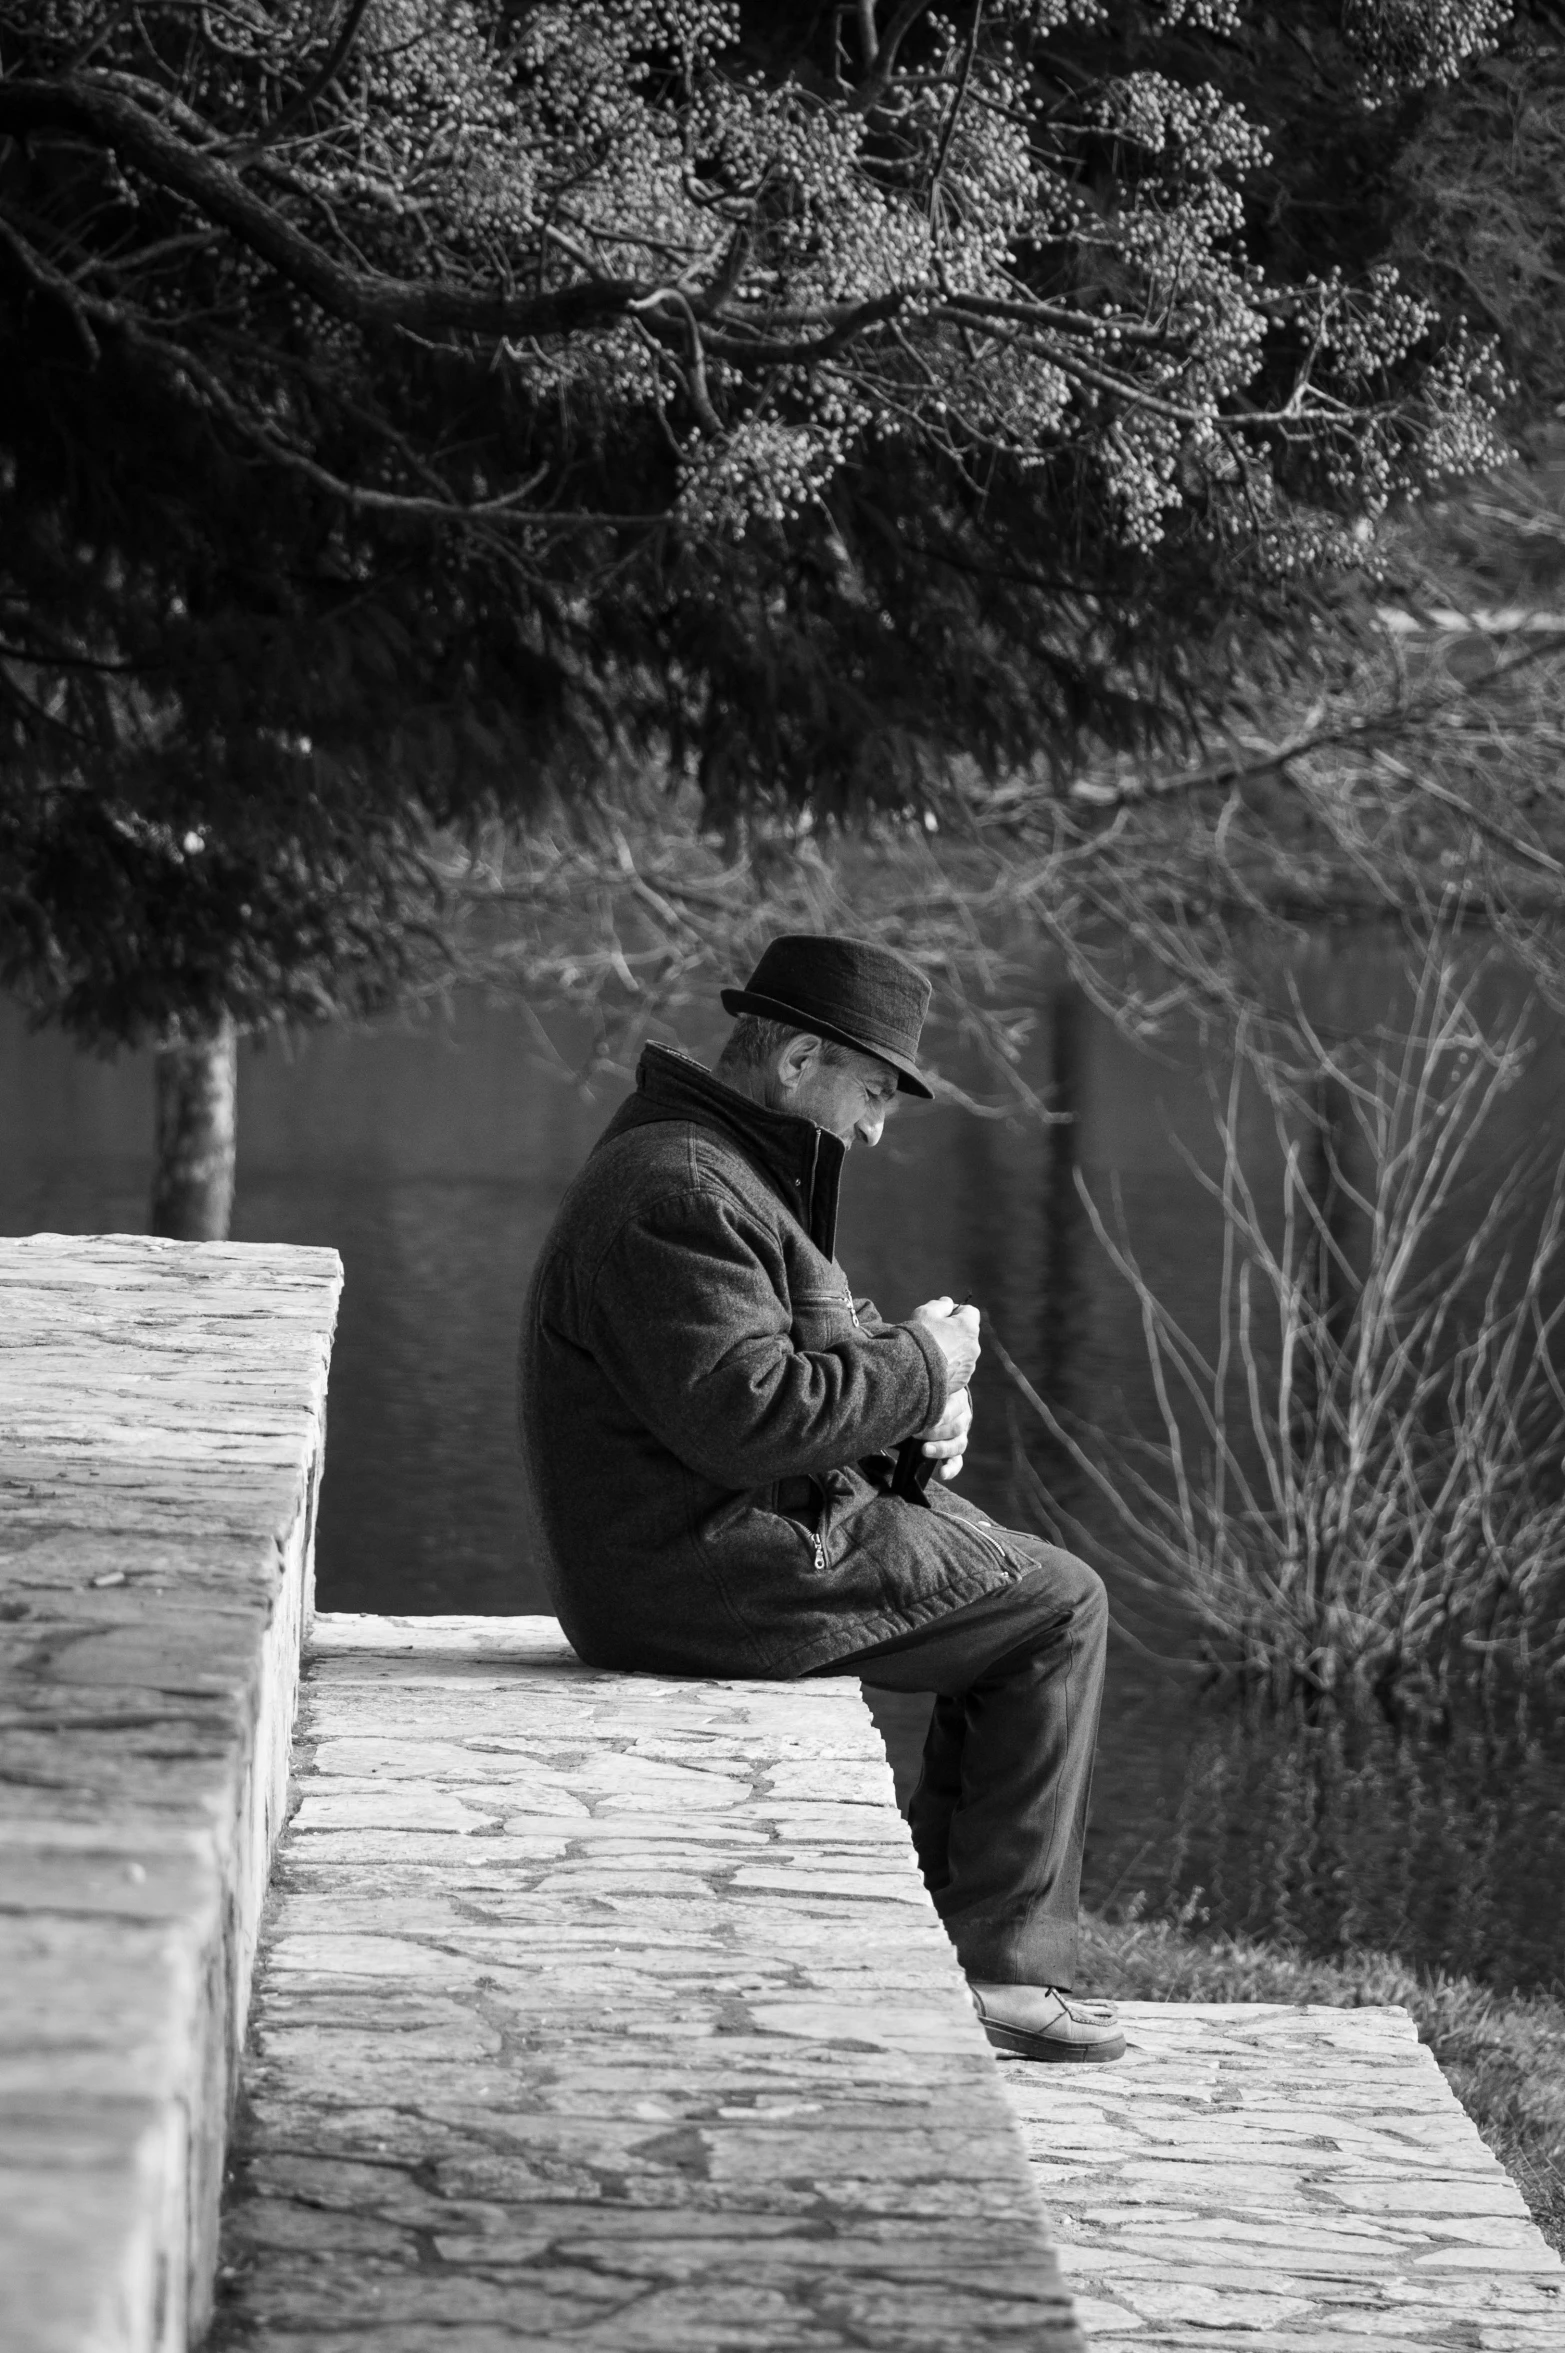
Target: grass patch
x=1502, y=2054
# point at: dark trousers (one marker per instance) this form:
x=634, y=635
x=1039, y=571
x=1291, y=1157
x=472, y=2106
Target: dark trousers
x=999, y=1815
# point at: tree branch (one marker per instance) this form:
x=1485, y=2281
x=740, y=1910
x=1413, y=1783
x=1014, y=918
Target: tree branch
x=744, y=349
x=191, y=374
x=49, y=281
x=695, y=379
x=959, y=97
x=507, y=509
x=315, y=87
x=359, y=296
x=878, y=80
x=39, y=657
x=1365, y=735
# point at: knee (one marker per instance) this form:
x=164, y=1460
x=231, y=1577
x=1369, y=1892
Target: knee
x=1063, y=1589
x=1094, y=1594
x=1092, y=1609
x=1080, y=1588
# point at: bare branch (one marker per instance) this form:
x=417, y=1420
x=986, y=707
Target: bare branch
x=316, y=87
x=958, y=96
x=877, y=81
x=216, y=190
x=1265, y=759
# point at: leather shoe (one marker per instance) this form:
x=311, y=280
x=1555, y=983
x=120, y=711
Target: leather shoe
x=1082, y=2030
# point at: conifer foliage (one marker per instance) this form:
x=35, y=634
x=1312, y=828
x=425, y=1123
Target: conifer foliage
x=408, y=406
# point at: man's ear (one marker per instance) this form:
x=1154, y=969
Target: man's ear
x=796, y=1059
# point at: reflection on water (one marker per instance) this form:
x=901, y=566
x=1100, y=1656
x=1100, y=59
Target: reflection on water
x=1330, y=1833
x=432, y=1156
x=1340, y=1834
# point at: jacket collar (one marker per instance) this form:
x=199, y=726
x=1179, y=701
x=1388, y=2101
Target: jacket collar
x=802, y=1161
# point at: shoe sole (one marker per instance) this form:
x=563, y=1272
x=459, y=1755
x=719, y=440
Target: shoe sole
x=1021, y=2045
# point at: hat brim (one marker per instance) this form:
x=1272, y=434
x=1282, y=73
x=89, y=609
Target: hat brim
x=910, y=1079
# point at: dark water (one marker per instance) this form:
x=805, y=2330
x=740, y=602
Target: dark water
x=432, y=1157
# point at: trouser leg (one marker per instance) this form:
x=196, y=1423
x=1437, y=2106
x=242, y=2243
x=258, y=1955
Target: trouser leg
x=1017, y=1836
x=999, y=1817
x=938, y=1792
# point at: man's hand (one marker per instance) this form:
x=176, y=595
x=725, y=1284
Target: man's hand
x=947, y=1441
x=955, y=1331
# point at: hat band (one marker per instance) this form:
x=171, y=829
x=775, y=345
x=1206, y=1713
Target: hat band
x=807, y=1017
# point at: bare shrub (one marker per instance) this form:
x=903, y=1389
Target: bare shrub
x=1359, y=1490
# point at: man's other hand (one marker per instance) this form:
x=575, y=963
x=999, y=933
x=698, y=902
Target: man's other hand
x=946, y=1443
x=955, y=1332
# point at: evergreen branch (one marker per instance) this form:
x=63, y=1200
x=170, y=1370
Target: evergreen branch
x=42, y=275
x=40, y=657
x=507, y=509
x=187, y=372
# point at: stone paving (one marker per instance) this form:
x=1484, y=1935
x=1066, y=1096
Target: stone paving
x=1281, y=2177
x=1294, y=2179
x=161, y=1419
x=609, y=2012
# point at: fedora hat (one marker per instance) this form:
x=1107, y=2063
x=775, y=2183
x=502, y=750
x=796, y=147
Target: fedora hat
x=850, y=991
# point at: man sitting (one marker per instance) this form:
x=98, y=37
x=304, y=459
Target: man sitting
x=710, y=1420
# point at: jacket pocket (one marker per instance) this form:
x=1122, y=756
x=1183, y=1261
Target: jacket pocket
x=773, y=1529
x=956, y=1511
x=991, y=1542
x=820, y=1319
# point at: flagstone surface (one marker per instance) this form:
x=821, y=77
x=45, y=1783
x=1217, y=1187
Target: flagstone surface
x=161, y=1422
x=1300, y=2179
x=610, y=2012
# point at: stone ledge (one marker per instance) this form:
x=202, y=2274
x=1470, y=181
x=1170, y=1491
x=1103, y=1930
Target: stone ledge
x=1296, y=2177
x=161, y=1418
x=610, y=2011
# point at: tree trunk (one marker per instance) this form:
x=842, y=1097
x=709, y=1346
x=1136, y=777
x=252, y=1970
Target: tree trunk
x=193, y=1180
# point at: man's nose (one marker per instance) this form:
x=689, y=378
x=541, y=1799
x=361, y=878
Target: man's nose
x=871, y=1124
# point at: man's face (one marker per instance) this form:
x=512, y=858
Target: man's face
x=849, y=1099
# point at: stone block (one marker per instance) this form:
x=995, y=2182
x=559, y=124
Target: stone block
x=161, y=1413
x=642, y=2020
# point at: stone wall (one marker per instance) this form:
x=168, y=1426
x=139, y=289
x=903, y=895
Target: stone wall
x=162, y=1413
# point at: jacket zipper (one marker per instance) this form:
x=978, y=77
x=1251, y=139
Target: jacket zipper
x=816, y=1537
x=810, y=1536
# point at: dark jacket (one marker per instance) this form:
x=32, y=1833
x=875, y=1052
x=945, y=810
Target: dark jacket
x=708, y=1414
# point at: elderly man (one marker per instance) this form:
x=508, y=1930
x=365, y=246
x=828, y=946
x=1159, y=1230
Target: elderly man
x=711, y=1419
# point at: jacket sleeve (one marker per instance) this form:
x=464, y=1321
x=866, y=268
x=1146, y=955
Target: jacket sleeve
x=689, y=1318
